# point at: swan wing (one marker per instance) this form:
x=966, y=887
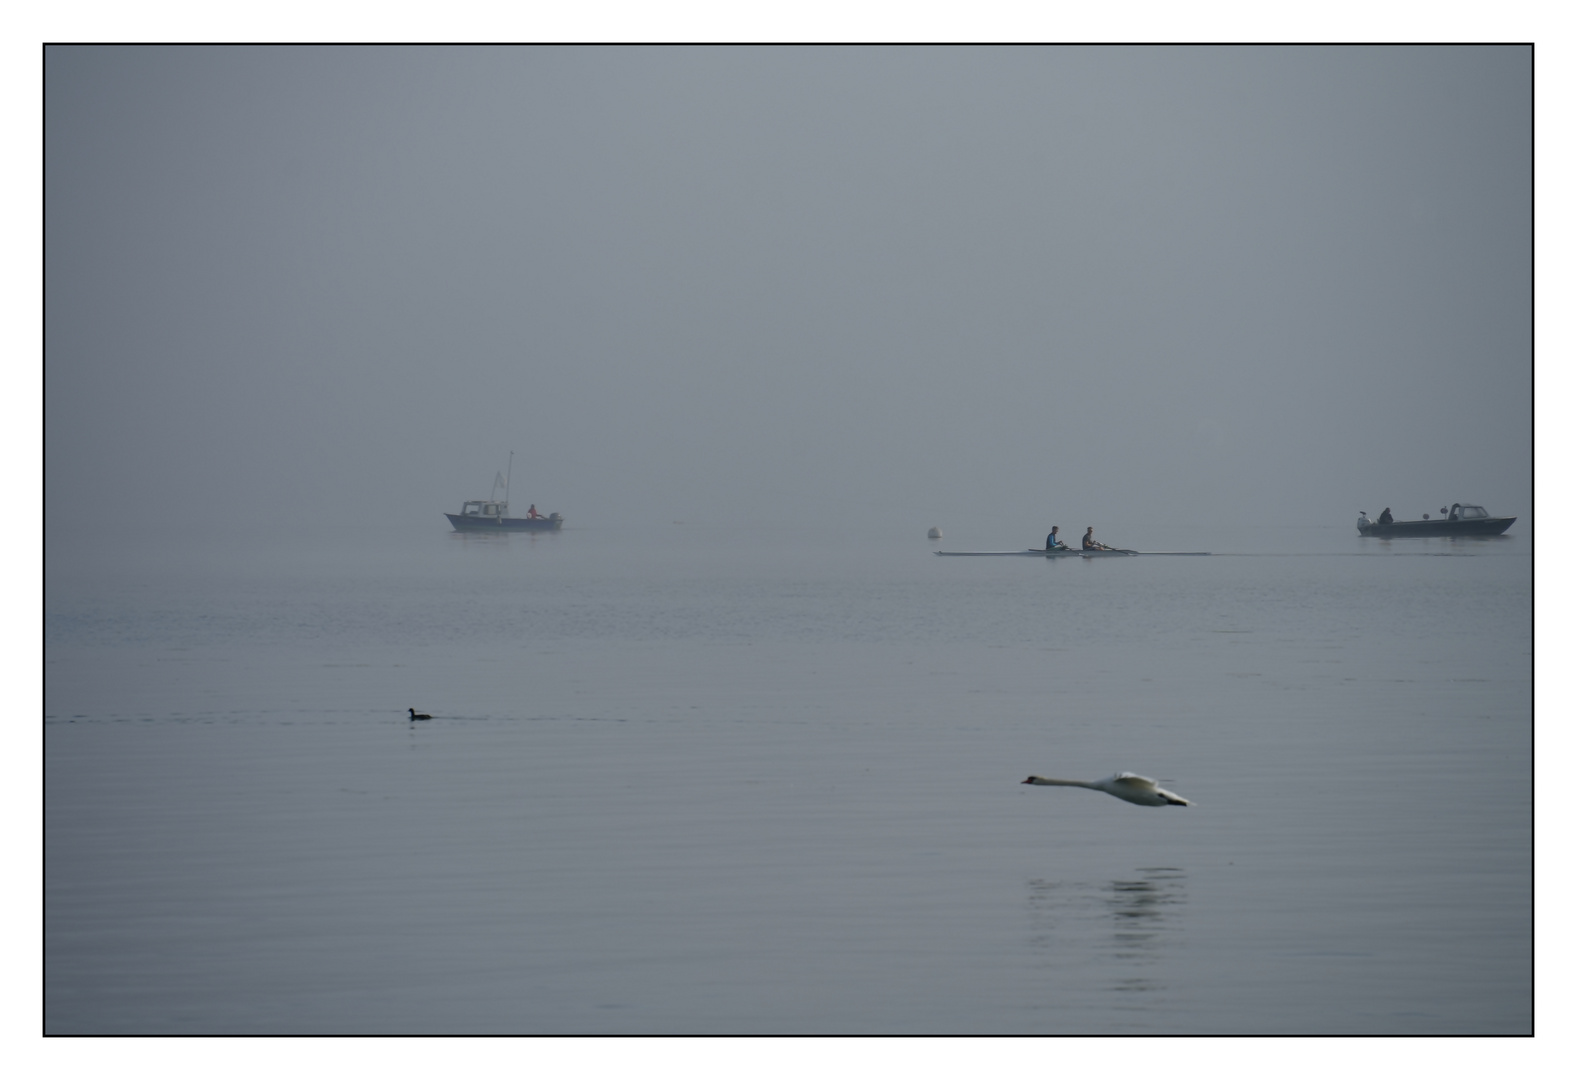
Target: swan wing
x=1134, y=780
x=1142, y=790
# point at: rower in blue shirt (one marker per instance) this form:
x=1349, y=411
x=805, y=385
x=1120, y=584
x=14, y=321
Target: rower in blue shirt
x=1052, y=543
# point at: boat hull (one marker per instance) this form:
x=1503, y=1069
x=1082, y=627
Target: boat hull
x=475, y=523
x=1443, y=527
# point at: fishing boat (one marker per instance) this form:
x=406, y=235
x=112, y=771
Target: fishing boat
x=492, y=514
x=1460, y=519
x=482, y=515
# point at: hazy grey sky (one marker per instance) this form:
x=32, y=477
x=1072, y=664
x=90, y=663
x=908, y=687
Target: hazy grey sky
x=328, y=289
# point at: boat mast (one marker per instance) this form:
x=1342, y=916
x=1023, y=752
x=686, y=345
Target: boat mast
x=511, y=470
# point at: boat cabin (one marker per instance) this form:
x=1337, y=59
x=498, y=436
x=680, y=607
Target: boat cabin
x=1459, y=512
x=484, y=508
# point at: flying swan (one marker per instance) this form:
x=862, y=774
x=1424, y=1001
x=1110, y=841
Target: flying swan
x=1130, y=787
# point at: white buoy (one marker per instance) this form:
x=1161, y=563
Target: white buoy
x=934, y=533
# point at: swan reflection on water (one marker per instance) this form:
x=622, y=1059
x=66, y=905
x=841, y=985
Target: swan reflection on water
x=1130, y=921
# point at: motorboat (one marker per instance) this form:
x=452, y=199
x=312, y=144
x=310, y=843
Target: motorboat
x=482, y=515
x=1459, y=519
x=492, y=514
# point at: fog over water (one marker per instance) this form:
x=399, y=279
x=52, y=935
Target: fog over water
x=704, y=785
x=733, y=752
x=308, y=295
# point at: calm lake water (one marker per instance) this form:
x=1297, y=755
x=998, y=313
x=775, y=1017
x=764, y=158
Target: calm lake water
x=717, y=781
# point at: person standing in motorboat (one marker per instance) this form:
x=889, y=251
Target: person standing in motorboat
x=1385, y=516
x=1054, y=544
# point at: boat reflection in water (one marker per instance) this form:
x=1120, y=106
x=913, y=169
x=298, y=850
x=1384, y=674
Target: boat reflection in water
x=1122, y=928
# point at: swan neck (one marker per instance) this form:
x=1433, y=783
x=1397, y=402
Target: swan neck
x=1049, y=782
